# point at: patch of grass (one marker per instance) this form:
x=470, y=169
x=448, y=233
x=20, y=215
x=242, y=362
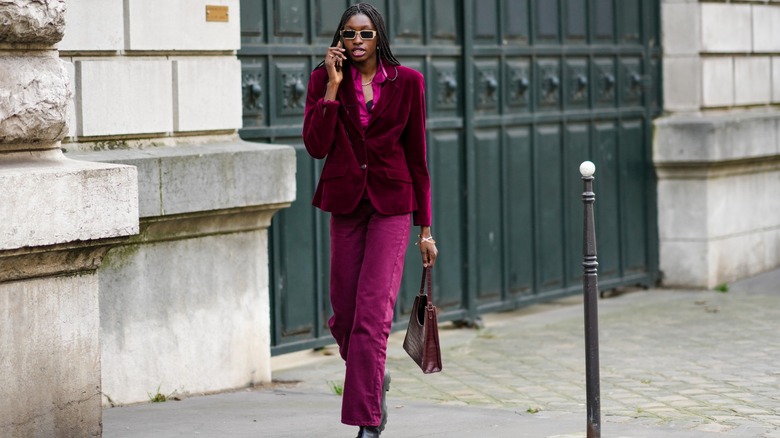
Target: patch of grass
x=336, y=387
x=485, y=334
x=158, y=397
x=534, y=410
x=723, y=287
x=646, y=381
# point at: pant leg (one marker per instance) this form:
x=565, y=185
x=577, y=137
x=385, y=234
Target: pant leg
x=347, y=244
x=377, y=289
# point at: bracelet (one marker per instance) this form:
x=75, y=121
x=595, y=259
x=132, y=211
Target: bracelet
x=425, y=239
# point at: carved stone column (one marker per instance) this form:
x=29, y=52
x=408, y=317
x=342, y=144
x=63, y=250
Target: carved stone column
x=58, y=217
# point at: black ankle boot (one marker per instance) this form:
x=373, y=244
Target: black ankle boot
x=385, y=388
x=368, y=432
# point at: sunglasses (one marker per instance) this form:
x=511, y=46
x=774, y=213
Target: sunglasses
x=364, y=34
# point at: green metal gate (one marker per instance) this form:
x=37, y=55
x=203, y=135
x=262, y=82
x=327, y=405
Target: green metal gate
x=519, y=92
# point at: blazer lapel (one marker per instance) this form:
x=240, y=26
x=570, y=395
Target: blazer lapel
x=389, y=96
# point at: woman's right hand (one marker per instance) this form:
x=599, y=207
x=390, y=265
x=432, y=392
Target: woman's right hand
x=333, y=62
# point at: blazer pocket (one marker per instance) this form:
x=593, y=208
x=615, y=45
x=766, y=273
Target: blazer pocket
x=333, y=171
x=399, y=175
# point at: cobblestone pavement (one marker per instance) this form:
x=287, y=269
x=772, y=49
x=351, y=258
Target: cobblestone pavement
x=696, y=361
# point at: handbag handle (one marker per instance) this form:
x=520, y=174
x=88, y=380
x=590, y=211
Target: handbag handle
x=426, y=273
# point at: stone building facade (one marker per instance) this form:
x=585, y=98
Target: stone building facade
x=717, y=149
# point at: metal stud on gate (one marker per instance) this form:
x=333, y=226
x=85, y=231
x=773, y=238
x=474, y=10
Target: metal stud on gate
x=590, y=289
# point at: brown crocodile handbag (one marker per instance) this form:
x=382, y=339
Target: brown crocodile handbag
x=422, y=335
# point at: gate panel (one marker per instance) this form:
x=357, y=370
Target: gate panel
x=547, y=17
x=519, y=214
x=608, y=224
x=446, y=163
x=549, y=227
x=634, y=215
x=576, y=25
x=489, y=235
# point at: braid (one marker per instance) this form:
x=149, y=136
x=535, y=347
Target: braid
x=383, y=46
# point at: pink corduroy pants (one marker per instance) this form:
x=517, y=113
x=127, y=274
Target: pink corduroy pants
x=367, y=252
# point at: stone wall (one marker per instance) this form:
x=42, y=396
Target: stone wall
x=717, y=151
x=58, y=218
x=184, y=306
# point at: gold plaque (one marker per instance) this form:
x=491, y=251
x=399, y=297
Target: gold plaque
x=217, y=13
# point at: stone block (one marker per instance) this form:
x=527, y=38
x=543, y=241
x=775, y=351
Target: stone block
x=682, y=209
x=121, y=96
x=718, y=180
x=685, y=263
x=766, y=30
x=707, y=263
x=776, y=79
x=32, y=22
x=34, y=94
x=93, y=25
x=717, y=82
x=771, y=239
x=752, y=80
x=713, y=138
x=185, y=179
x=207, y=94
x=50, y=363
x=186, y=316
x=726, y=27
x=46, y=199
x=681, y=28
x=683, y=93
x=736, y=257
x=180, y=25
x=743, y=201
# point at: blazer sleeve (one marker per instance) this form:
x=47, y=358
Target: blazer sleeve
x=320, y=118
x=415, y=151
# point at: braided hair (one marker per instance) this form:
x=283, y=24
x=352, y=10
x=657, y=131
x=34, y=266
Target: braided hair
x=383, y=46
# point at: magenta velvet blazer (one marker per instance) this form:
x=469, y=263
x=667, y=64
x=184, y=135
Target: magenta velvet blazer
x=387, y=159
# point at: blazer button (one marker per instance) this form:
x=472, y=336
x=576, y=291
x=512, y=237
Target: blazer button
x=363, y=167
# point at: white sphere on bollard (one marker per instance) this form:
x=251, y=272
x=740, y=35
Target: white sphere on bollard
x=587, y=168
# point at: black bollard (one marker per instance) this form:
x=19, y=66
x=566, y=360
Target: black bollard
x=590, y=289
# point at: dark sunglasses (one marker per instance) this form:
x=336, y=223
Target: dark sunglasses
x=364, y=34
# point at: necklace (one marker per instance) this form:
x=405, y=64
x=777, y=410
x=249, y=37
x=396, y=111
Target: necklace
x=369, y=82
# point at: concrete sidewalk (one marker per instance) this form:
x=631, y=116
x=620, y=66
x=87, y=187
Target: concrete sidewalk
x=674, y=363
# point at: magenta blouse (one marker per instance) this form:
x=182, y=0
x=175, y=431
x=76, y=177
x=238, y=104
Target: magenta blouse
x=376, y=85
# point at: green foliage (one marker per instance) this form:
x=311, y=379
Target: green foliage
x=485, y=334
x=158, y=397
x=723, y=287
x=336, y=387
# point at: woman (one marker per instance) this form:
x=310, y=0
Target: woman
x=366, y=114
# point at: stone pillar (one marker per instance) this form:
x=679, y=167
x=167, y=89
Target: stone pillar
x=185, y=304
x=717, y=149
x=58, y=217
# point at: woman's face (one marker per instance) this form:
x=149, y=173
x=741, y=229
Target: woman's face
x=360, y=49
